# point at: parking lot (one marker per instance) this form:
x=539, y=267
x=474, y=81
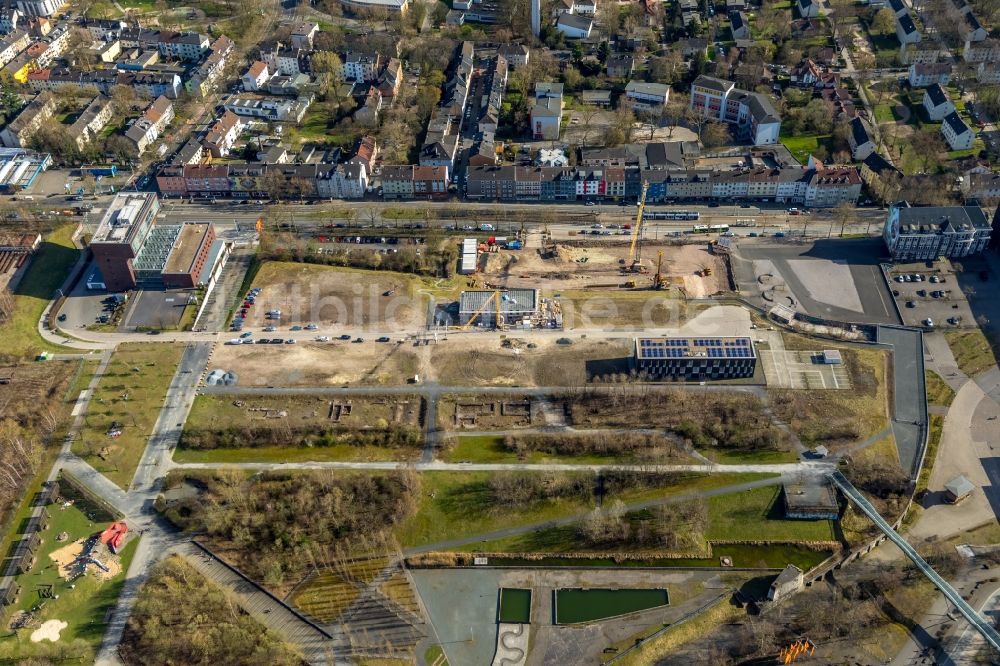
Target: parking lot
x=930, y=296
x=798, y=369
x=156, y=308
x=82, y=307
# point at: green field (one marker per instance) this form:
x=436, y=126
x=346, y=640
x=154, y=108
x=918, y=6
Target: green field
x=938, y=391
x=130, y=394
x=279, y=454
x=491, y=449
x=49, y=267
x=972, y=351
x=756, y=515
x=574, y=606
x=459, y=505
x=801, y=147
x=515, y=605
x=82, y=604
x=455, y=505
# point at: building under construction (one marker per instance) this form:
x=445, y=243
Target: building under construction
x=517, y=308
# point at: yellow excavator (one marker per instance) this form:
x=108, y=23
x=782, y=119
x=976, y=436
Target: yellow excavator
x=634, y=262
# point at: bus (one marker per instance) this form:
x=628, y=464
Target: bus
x=699, y=229
x=671, y=215
x=719, y=228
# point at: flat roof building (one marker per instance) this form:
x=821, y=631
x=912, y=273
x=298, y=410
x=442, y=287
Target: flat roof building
x=121, y=235
x=189, y=255
x=516, y=306
x=697, y=358
x=812, y=501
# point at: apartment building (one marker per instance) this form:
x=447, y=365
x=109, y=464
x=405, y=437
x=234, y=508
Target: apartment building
x=148, y=127
x=91, y=121
x=18, y=132
x=222, y=134
x=956, y=132
x=914, y=233
x=752, y=113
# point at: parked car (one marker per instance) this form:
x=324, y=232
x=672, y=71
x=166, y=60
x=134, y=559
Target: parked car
x=270, y=329
x=247, y=334
x=290, y=341
x=312, y=327
x=358, y=340
x=384, y=338
x=295, y=328
x=345, y=336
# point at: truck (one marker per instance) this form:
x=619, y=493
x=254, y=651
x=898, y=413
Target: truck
x=514, y=245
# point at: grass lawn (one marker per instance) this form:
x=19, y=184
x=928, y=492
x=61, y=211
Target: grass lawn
x=651, y=652
x=82, y=607
x=55, y=257
x=130, y=393
x=884, y=113
x=455, y=505
x=930, y=457
x=490, y=449
x=434, y=656
x=801, y=147
x=938, y=391
x=279, y=454
x=972, y=351
x=756, y=515
x=563, y=539
x=727, y=457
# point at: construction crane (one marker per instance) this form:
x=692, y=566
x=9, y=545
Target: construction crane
x=658, y=280
x=497, y=298
x=634, y=262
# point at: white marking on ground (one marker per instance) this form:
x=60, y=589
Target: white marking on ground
x=828, y=282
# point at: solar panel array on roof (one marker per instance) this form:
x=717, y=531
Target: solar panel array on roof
x=695, y=348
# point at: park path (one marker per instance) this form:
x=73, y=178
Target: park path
x=816, y=468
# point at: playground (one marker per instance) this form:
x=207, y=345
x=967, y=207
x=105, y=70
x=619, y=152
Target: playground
x=65, y=595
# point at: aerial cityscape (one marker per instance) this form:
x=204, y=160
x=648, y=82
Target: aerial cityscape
x=499, y=332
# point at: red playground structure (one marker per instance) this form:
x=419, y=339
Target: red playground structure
x=114, y=536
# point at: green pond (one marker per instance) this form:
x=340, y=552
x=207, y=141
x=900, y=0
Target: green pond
x=582, y=605
x=515, y=605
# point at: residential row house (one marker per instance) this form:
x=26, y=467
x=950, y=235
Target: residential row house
x=13, y=44
x=414, y=182
x=148, y=127
x=205, y=78
x=489, y=121
x=91, y=121
x=922, y=75
x=957, y=132
x=149, y=84
x=751, y=113
x=444, y=127
x=546, y=112
x=223, y=134
x=188, y=46
x=814, y=185
x=987, y=50
x=18, y=132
